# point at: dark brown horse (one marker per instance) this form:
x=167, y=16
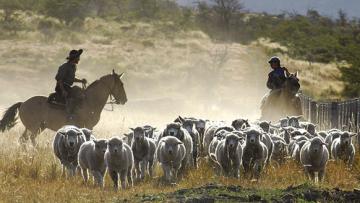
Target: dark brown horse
x=282, y=102
x=37, y=114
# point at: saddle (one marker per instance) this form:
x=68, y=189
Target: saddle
x=77, y=94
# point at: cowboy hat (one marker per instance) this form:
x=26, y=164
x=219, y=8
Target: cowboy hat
x=73, y=54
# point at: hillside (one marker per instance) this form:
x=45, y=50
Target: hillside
x=170, y=70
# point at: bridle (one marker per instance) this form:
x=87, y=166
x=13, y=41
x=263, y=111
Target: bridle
x=112, y=99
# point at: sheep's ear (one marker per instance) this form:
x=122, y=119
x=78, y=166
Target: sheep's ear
x=352, y=134
x=298, y=117
x=153, y=129
x=132, y=129
x=181, y=119
x=178, y=143
x=121, y=75
x=113, y=72
x=288, y=117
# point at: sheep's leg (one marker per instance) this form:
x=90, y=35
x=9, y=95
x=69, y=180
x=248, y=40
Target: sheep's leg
x=63, y=171
x=321, y=175
x=195, y=155
x=166, y=170
x=311, y=175
x=257, y=169
x=98, y=178
x=115, y=178
x=137, y=169
x=351, y=160
x=176, y=169
x=123, y=174
x=143, y=169
x=85, y=175
x=130, y=178
x=150, y=166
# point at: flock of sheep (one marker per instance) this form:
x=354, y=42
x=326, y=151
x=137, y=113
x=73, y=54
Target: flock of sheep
x=177, y=148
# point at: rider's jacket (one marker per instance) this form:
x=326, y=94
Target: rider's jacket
x=276, y=78
x=66, y=73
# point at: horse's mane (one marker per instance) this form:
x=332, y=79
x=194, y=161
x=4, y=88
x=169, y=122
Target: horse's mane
x=96, y=82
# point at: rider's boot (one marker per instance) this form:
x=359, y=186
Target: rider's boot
x=70, y=107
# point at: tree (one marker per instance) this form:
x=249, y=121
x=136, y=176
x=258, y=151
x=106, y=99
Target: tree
x=342, y=19
x=226, y=9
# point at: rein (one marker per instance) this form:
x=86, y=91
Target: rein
x=111, y=102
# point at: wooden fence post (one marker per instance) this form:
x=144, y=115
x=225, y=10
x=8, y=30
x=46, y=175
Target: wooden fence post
x=313, y=112
x=334, y=115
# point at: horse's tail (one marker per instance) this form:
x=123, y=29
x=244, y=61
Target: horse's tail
x=9, y=118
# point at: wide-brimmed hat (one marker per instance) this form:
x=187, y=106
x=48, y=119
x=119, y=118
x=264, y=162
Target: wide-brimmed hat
x=73, y=54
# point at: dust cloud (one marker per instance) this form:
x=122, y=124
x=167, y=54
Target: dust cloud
x=187, y=74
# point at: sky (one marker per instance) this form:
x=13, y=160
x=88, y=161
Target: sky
x=325, y=7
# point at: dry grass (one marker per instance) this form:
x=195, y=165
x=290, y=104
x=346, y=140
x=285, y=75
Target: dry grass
x=35, y=176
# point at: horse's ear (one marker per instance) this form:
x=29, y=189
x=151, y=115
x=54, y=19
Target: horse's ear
x=113, y=72
x=287, y=74
x=121, y=75
x=296, y=74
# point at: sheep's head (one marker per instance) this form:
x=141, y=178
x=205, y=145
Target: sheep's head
x=115, y=145
x=72, y=137
x=221, y=134
x=189, y=125
x=253, y=136
x=311, y=128
x=345, y=138
x=139, y=134
x=149, y=131
x=240, y=124
x=171, y=145
x=265, y=126
x=87, y=133
x=283, y=122
x=128, y=137
x=232, y=141
x=174, y=129
x=316, y=145
x=200, y=126
x=294, y=121
x=100, y=146
x=280, y=147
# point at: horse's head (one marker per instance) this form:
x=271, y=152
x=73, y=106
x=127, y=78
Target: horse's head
x=117, y=90
x=292, y=83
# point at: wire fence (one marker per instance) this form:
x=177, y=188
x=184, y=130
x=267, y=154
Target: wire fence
x=332, y=114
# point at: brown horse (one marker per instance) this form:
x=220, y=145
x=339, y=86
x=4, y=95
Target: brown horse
x=37, y=114
x=282, y=102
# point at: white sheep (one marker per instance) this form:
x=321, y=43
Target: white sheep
x=170, y=153
x=66, y=146
x=144, y=151
x=343, y=148
x=119, y=160
x=228, y=155
x=91, y=158
x=255, y=153
x=314, y=156
x=175, y=130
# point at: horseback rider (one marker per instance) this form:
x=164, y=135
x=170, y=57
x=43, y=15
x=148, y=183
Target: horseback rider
x=65, y=78
x=278, y=74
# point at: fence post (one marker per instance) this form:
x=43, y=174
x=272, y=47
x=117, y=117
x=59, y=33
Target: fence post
x=313, y=112
x=334, y=115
